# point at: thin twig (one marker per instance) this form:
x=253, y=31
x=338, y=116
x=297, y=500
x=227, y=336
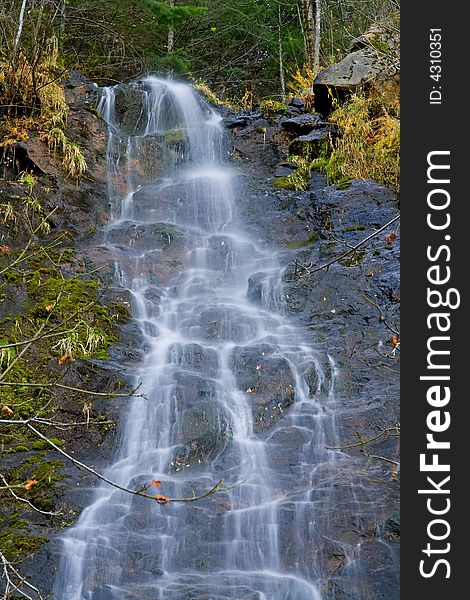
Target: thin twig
x=363, y=442
x=309, y=271
x=381, y=318
x=216, y=488
x=73, y=389
x=20, y=499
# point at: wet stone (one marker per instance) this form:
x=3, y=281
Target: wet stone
x=202, y=433
x=268, y=382
x=194, y=357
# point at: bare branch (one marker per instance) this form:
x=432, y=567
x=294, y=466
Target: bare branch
x=9, y=571
x=10, y=488
x=309, y=271
x=216, y=488
x=73, y=389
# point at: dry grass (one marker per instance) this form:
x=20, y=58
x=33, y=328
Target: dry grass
x=37, y=91
x=301, y=84
x=73, y=160
x=369, y=144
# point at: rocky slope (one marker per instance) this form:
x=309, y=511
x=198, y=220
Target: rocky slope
x=349, y=310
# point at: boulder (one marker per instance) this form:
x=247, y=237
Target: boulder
x=354, y=70
x=129, y=100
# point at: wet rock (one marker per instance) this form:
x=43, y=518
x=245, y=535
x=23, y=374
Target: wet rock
x=390, y=530
x=220, y=323
x=194, y=357
x=285, y=169
x=267, y=380
x=313, y=141
x=303, y=124
x=297, y=103
x=235, y=122
x=360, y=581
x=129, y=102
x=203, y=432
x=157, y=236
x=193, y=388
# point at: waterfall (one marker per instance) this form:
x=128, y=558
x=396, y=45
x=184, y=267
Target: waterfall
x=232, y=389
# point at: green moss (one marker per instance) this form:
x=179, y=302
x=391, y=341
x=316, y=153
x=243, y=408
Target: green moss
x=16, y=449
x=354, y=228
x=295, y=244
x=43, y=445
x=270, y=109
x=354, y=259
x=344, y=183
x=175, y=137
x=15, y=545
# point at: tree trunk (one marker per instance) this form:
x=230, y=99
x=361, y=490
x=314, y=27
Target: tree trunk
x=312, y=32
x=19, y=31
x=316, y=45
x=282, y=78
x=171, y=33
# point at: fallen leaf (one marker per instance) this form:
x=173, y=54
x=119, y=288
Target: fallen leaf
x=66, y=357
x=30, y=483
x=49, y=308
x=390, y=238
x=162, y=499
x=4, y=249
x=394, y=341
x=7, y=410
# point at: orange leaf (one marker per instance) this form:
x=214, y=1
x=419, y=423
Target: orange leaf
x=7, y=410
x=63, y=359
x=394, y=341
x=4, y=249
x=49, y=308
x=29, y=484
x=162, y=499
x=390, y=238
x=156, y=483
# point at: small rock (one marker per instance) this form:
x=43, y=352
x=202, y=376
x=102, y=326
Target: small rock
x=297, y=103
x=303, y=124
x=285, y=169
x=313, y=139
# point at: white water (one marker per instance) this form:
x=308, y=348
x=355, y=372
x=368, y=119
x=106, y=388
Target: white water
x=257, y=540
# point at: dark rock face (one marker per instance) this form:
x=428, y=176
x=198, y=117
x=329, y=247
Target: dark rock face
x=129, y=101
x=342, y=309
x=303, y=124
x=267, y=379
x=313, y=140
x=285, y=169
x=202, y=432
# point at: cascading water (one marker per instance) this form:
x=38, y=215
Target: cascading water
x=179, y=248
